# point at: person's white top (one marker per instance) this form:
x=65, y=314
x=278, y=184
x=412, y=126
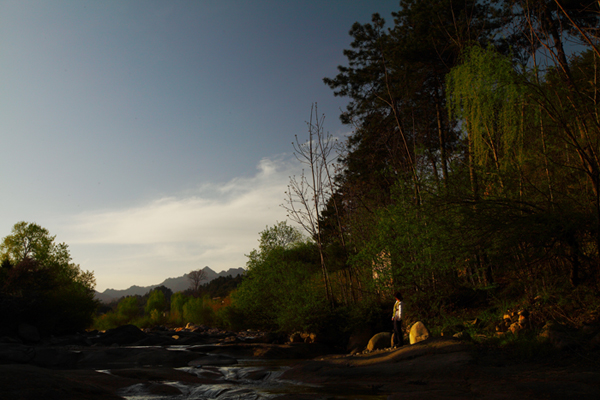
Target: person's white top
x=397, y=315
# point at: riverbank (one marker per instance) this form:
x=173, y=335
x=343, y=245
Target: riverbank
x=438, y=368
x=449, y=369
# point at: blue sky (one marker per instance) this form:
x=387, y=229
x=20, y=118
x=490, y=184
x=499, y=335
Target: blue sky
x=154, y=137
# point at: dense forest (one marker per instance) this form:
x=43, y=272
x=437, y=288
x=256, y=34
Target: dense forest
x=470, y=181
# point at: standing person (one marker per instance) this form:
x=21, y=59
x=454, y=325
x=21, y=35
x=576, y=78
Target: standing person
x=397, y=318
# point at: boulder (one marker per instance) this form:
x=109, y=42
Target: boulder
x=53, y=357
x=133, y=357
x=382, y=340
x=558, y=335
x=27, y=382
x=156, y=340
x=16, y=354
x=359, y=339
x=503, y=326
x=418, y=333
x=296, y=337
x=515, y=328
x=29, y=333
x=123, y=335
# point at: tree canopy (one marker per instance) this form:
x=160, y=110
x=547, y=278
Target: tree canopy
x=42, y=283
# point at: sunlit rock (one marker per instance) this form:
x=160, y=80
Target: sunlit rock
x=381, y=340
x=418, y=333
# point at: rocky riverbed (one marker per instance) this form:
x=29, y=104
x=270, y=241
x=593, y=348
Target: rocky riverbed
x=127, y=363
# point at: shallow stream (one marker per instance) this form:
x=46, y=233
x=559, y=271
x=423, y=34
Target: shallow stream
x=248, y=380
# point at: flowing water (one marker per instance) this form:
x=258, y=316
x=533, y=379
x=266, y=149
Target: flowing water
x=248, y=380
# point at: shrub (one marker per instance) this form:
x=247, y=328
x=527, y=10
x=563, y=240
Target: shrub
x=156, y=302
x=198, y=311
x=128, y=308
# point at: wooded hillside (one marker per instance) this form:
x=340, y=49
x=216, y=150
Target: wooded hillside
x=472, y=174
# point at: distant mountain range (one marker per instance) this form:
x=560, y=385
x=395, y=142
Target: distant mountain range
x=175, y=284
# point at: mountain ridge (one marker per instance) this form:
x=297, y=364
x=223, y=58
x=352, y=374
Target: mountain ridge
x=177, y=284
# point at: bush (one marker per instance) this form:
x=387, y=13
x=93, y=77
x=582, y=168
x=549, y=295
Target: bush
x=156, y=302
x=128, y=308
x=231, y=318
x=178, y=300
x=110, y=320
x=198, y=311
x=282, y=289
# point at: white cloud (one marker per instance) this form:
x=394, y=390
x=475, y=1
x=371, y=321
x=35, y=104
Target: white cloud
x=215, y=226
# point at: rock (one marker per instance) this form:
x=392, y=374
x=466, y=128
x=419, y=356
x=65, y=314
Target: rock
x=16, y=354
x=305, y=337
x=52, y=357
x=503, y=326
x=310, y=338
x=296, y=337
x=382, y=340
x=418, y=333
x=462, y=336
x=132, y=357
x=269, y=337
x=452, y=330
x=28, y=382
x=557, y=335
x=212, y=360
x=359, y=339
x=156, y=340
x=70, y=340
x=29, y=333
x=160, y=389
x=515, y=328
x=10, y=340
x=123, y=335
x=476, y=322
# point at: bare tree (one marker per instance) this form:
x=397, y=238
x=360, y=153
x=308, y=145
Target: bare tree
x=196, y=277
x=307, y=195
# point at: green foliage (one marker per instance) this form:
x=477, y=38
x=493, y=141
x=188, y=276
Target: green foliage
x=199, y=311
x=231, y=318
x=156, y=302
x=282, y=288
x=471, y=178
x=178, y=300
x=280, y=235
x=129, y=308
x=44, y=287
x=221, y=286
x=109, y=320
x=484, y=93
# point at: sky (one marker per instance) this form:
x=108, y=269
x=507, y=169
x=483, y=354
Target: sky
x=155, y=137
